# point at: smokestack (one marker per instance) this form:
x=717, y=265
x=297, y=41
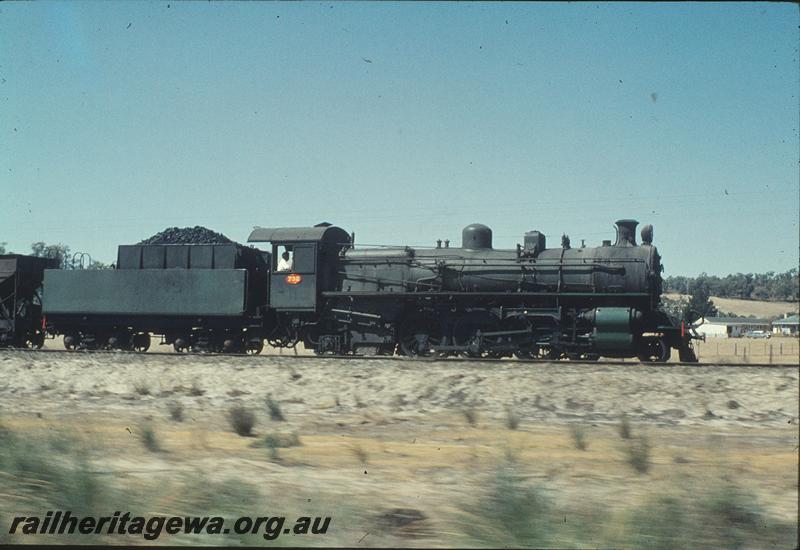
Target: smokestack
x=626, y=233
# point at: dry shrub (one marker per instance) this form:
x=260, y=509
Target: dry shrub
x=196, y=390
x=274, y=410
x=176, y=411
x=511, y=513
x=359, y=452
x=625, y=427
x=275, y=441
x=638, y=451
x=512, y=419
x=470, y=415
x=578, y=434
x=150, y=440
x=242, y=420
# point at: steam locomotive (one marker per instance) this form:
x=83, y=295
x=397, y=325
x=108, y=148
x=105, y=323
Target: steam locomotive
x=338, y=298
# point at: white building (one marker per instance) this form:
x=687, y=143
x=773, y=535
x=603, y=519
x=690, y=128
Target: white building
x=788, y=325
x=731, y=327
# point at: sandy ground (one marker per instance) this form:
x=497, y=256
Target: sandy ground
x=387, y=435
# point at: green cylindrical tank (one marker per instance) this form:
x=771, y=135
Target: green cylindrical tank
x=613, y=328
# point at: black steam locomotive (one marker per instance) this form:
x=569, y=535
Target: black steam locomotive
x=334, y=297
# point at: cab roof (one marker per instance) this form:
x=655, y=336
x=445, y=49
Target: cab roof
x=328, y=234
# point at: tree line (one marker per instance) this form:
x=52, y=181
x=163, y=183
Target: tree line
x=769, y=286
x=61, y=252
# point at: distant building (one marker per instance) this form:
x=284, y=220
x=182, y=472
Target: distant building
x=732, y=327
x=787, y=325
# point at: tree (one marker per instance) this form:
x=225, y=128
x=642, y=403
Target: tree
x=700, y=304
x=58, y=251
x=3, y=248
x=674, y=308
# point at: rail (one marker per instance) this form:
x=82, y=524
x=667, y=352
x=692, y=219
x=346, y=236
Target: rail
x=486, y=360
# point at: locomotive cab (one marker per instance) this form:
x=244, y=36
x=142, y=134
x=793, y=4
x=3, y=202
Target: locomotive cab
x=314, y=255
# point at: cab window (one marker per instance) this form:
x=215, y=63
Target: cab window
x=304, y=258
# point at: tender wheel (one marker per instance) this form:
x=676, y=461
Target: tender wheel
x=231, y=345
x=181, y=344
x=141, y=342
x=35, y=340
x=119, y=341
x=654, y=351
x=417, y=335
x=254, y=346
x=90, y=343
x=71, y=342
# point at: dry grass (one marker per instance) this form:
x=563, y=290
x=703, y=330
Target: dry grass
x=426, y=457
x=435, y=469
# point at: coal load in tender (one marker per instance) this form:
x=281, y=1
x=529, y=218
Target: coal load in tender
x=187, y=235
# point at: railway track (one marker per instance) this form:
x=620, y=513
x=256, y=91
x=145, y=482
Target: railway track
x=609, y=362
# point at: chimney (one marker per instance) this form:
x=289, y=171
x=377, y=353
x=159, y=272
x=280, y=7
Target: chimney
x=626, y=233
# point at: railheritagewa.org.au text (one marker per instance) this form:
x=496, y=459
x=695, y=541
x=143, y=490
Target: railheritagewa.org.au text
x=150, y=528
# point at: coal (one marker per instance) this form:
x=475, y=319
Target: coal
x=187, y=235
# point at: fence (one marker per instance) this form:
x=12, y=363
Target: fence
x=745, y=350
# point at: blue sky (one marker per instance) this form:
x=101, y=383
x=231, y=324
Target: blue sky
x=405, y=122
